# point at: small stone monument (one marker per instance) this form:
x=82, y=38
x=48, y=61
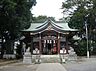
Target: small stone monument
x=37, y=60
x=27, y=58
x=72, y=54
x=62, y=52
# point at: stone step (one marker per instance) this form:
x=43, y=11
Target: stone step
x=46, y=58
x=50, y=60
x=53, y=58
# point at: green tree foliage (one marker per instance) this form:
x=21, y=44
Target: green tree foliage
x=42, y=18
x=81, y=49
x=15, y=15
x=82, y=11
x=39, y=19
x=77, y=10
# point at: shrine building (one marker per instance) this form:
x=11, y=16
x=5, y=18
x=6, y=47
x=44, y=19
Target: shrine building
x=48, y=37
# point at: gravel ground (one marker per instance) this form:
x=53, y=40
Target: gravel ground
x=50, y=67
x=83, y=65
x=19, y=67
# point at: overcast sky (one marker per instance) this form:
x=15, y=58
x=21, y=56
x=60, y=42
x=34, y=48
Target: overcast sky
x=48, y=8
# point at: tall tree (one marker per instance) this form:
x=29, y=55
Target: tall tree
x=15, y=15
x=42, y=18
x=81, y=12
x=39, y=19
x=77, y=11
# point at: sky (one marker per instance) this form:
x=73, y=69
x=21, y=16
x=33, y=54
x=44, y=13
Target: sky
x=50, y=8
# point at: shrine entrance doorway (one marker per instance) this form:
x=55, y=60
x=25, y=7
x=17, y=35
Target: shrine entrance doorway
x=49, y=47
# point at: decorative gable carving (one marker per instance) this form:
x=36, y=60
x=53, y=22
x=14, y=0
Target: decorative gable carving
x=49, y=27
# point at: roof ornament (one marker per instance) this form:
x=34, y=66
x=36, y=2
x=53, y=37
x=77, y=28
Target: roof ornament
x=49, y=27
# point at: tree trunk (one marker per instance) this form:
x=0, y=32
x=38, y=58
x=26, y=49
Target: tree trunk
x=2, y=45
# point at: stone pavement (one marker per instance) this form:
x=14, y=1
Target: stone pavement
x=19, y=67
x=83, y=64
x=50, y=67
x=7, y=62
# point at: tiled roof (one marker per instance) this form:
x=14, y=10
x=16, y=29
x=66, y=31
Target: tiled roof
x=40, y=27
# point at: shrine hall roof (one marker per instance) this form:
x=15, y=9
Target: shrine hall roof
x=49, y=25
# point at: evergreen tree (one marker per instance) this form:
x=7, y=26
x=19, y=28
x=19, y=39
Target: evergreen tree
x=82, y=11
x=15, y=15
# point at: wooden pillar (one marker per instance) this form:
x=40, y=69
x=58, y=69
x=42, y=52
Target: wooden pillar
x=67, y=44
x=40, y=43
x=31, y=44
x=58, y=43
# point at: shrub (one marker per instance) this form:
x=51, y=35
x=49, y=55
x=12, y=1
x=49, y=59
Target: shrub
x=81, y=50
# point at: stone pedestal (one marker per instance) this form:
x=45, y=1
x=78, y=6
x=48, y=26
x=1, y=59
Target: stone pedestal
x=27, y=58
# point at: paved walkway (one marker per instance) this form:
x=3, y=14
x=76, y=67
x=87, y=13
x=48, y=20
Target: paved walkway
x=50, y=67
x=6, y=62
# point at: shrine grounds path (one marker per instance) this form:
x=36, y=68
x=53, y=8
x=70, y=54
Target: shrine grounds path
x=50, y=67
x=19, y=67
x=83, y=64
x=33, y=67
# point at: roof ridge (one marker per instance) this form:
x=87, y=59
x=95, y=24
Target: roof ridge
x=55, y=24
x=42, y=24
